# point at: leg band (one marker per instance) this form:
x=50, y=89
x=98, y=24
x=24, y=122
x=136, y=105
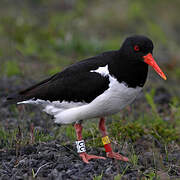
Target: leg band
x=80, y=146
x=105, y=140
x=108, y=147
x=106, y=143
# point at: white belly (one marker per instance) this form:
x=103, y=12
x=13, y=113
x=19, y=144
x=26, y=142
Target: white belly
x=115, y=98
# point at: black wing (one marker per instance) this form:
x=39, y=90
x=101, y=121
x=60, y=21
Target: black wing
x=77, y=88
x=76, y=83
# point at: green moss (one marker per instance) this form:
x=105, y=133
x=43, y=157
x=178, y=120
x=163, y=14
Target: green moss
x=164, y=132
x=131, y=130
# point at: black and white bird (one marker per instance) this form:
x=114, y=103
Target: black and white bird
x=94, y=88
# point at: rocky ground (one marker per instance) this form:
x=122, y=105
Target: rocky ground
x=54, y=159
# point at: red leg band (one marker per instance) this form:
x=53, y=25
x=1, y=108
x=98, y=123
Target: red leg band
x=108, y=147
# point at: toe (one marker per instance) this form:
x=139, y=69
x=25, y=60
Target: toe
x=94, y=157
x=86, y=157
x=83, y=156
x=117, y=156
x=125, y=159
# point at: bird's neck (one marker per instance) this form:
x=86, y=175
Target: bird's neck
x=133, y=73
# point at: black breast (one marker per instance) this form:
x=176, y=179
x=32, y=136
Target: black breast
x=134, y=74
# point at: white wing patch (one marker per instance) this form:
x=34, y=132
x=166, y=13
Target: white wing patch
x=102, y=70
x=32, y=101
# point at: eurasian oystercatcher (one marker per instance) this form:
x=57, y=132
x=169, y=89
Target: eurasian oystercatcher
x=94, y=88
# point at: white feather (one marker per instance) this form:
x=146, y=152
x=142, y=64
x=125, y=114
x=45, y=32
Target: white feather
x=102, y=70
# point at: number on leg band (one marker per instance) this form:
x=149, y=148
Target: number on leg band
x=80, y=146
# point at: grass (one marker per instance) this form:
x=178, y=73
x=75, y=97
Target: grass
x=10, y=139
x=63, y=35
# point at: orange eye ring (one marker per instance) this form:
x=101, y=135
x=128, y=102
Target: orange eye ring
x=136, y=48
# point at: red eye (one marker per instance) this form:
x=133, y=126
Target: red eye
x=136, y=48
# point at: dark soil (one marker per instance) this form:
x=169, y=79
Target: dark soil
x=54, y=160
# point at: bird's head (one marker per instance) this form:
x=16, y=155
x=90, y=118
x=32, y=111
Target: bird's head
x=140, y=48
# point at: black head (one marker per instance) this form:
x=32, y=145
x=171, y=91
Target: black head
x=139, y=49
x=135, y=47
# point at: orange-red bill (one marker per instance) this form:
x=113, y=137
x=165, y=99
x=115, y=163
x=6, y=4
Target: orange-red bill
x=150, y=60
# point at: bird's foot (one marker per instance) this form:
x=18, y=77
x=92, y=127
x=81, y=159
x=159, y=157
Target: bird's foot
x=116, y=156
x=86, y=157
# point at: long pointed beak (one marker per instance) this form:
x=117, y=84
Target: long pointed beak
x=150, y=60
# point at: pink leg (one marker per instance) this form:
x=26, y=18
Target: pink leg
x=85, y=157
x=109, y=152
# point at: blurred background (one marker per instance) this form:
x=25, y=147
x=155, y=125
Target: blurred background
x=39, y=38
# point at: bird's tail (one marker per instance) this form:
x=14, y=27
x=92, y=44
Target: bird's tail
x=31, y=92
x=12, y=99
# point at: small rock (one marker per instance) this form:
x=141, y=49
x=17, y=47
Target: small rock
x=60, y=167
x=55, y=173
x=108, y=170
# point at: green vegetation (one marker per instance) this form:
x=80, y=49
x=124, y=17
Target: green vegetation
x=50, y=35
x=11, y=68
x=21, y=137
x=82, y=30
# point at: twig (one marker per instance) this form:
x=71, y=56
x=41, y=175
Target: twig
x=35, y=174
x=32, y=139
x=18, y=141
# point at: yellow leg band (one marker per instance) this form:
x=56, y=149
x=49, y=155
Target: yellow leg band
x=105, y=140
